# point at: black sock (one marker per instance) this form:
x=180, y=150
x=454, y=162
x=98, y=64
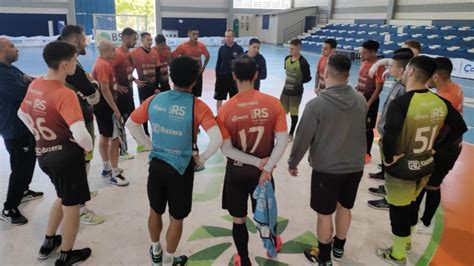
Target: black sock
x=433, y=198
x=241, y=239
x=338, y=243
x=294, y=121
x=324, y=252
x=370, y=139
x=64, y=256
x=48, y=241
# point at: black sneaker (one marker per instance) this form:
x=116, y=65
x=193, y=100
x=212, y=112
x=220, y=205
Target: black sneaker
x=31, y=195
x=180, y=261
x=378, y=191
x=77, y=256
x=13, y=217
x=380, y=204
x=46, y=251
x=312, y=254
x=377, y=176
x=156, y=259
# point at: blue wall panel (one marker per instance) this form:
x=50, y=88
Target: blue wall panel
x=455, y=23
x=370, y=21
x=28, y=24
x=207, y=26
x=85, y=9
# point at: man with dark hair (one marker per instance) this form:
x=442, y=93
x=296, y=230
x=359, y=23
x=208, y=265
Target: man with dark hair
x=175, y=116
x=52, y=113
x=444, y=158
x=397, y=67
x=19, y=142
x=88, y=95
x=123, y=71
x=225, y=84
x=297, y=73
x=253, y=144
x=370, y=88
x=413, y=121
x=335, y=178
x=254, y=53
x=413, y=45
x=108, y=115
x=328, y=49
x=164, y=52
x=147, y=63
x=194, y=49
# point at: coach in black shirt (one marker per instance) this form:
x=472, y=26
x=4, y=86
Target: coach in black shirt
x=224, y=82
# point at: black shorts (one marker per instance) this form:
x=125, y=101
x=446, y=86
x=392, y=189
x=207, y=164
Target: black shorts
x=329, y=189
x=103, y=115
x=444, y=162
x=372, y=114
x=125, y=103
x=67, y=170
x=167, y=186
x=147, y=91
x=239, y=184
x=197, y=89
x=224, y=85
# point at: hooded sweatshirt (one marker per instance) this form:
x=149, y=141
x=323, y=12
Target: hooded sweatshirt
x=333, y=127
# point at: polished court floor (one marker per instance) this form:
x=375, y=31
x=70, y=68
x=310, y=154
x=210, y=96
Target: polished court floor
x=207, y=239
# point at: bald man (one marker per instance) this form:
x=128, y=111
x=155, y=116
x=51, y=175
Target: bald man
x=106, y=112
x=19, y=142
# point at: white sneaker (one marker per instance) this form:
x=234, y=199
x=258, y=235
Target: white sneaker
x=127, y=156
x=90, y=218
x=420, y=228
x=119, y=181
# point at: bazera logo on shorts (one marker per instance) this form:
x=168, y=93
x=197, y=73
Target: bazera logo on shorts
x=415, y=165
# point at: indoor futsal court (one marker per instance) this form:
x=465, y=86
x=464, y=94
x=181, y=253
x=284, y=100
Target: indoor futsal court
x=119, y=233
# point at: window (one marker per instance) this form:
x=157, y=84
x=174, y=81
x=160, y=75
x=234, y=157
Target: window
x=265, y=22
x=263, y=4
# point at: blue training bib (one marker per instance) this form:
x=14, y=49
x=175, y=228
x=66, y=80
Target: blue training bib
x=171, y=115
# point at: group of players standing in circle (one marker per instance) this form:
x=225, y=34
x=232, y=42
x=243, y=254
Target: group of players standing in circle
x=250, y=129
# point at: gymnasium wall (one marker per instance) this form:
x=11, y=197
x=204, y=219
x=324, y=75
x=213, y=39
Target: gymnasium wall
x=360, y=9
x=85, y=9
x=434, y=10
x=307, y=3
x=30, y=17
x=210, y=16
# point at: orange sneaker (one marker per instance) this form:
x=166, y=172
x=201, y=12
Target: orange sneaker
x=237, y=260
x=368, y=158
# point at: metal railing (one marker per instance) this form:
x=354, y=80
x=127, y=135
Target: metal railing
x=293, y=31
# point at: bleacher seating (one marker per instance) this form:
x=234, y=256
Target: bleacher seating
x=450, y=41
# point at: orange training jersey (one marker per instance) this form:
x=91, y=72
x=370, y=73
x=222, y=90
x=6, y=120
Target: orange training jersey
x=123, y=67
x=164, y=52
x=321, y=68
x=366, y=85
x=146, y=62
x=191, y=50
x=454, y=94
x=51, y=108
x=202, y=114
x=250, y=119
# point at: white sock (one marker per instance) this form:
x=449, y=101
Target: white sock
x=115, y=172
x=156, y=247
x=168, y=259
x=107, y=166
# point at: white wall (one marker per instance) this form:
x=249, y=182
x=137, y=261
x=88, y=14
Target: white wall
x=251, y=20
x=278, y=24
x=360, y=9
x=194, y=9
x=435, y=9
x=307, y=3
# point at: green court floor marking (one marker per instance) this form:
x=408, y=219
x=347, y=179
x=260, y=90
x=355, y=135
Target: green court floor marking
x=208, y=255
x=205, y=232
x=215, y=184
x=300, y=243
x=269, y=262
x=435, y=239
x=249, y=223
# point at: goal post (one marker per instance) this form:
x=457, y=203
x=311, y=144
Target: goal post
x=109, y=26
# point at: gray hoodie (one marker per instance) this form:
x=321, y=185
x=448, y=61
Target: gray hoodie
x=333, y=127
